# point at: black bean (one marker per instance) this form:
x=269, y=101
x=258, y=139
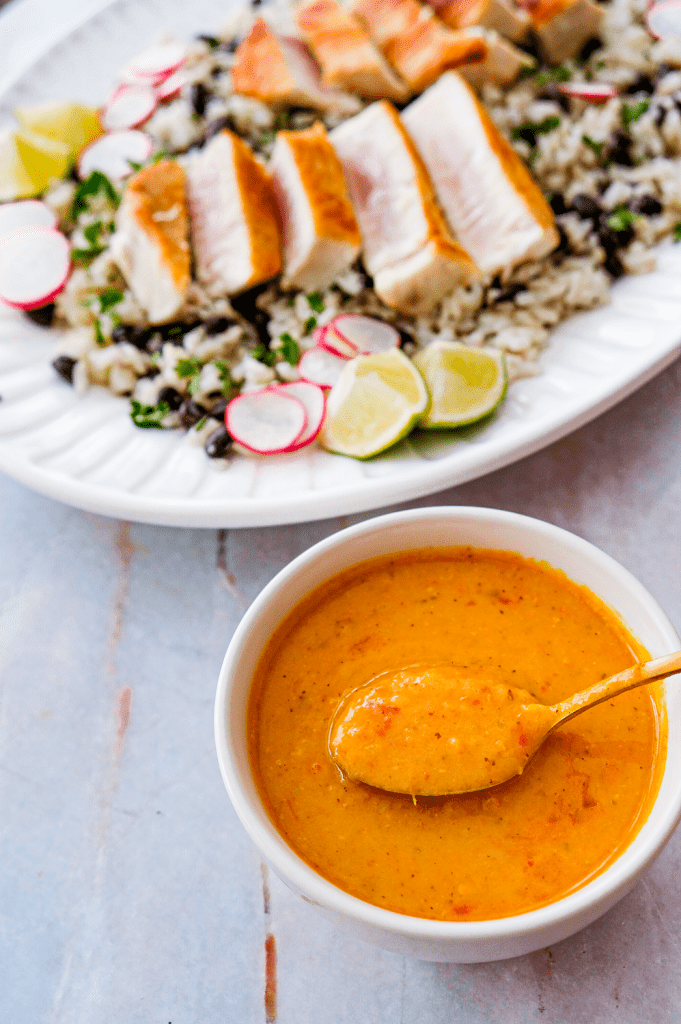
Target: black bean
x=152, y=372
x=134, y=335
x=557, y=203
x=609, y=239
x=64, y=366
x=171, y=396
x=405, y=337
x=590, y=47
x=217, y=411
x=199, y=98
x=613, y=265
x=218, y=444
x=155, y=343
x=586, y=207
x=245, y=305
x=43, y=315
x=190, y=412
x=563, y=240
x=230, y=46
x=649, y=206
x=662, y=71
x=642, y=83
x=619, y=150
x=215, y=127
x=556, y=95
x=218, y=324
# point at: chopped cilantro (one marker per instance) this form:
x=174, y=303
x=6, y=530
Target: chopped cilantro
x=290, y=349
x=676, y=231
x=316, y=302
x=158, y=156
x=99, y=334
x=201, y=424
x=557, y=74
x=188, y=367
x=529, y=130
x=176, y=331
x=195, y=384
x=96, y=184
x=310, y=324
x=148, y=416
x=621, y=218
x=264, y=355
x=631, y=113
x=109, y=298
x=212, y=41
x=228, y=384
x=597, y=147
x=93, y=231
x=81, y=257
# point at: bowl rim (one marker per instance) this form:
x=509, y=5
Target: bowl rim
x=602, y=891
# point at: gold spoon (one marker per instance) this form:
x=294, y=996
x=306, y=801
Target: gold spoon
x=434, y=731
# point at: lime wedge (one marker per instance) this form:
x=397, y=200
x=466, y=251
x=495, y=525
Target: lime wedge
x=376, y=401
x=43, y=159
x=465, y=383
x=15, y=182
x=73, y=123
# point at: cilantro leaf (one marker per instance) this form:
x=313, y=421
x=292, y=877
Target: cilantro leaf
x=264, y=355
x=597, y=147
x=631, y=113
x=96, y=184
x=316, y=302
x=228, y=384
x=195, y=384
x=188, y=367
x=621, y=218
x=109, y=298
x=290, y=349
x=557, y=74
x=81, y=257
x=310, y=324
x=676, y=231
x=148, y=416
x=529, y=130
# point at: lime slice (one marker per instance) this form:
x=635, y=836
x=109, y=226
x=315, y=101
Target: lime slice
x=73, y=123
x=15, y=182
x=43, y=159
x=465, y=383
x=375, y=402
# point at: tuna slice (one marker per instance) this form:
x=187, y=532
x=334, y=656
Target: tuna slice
x=489, y=197
x=501, y=64
x=414, y=41
x=321, y=237
x=233, y=215
x=281, y=71
x=563, y=26
x=502, y=16
x=151, y=244
x=406, y=245
x=347, y=56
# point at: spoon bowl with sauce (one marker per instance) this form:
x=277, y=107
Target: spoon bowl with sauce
x=443, y=730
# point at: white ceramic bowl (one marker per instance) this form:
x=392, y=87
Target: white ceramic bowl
x=453, y=941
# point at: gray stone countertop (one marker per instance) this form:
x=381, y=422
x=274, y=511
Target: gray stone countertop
x=129, y=892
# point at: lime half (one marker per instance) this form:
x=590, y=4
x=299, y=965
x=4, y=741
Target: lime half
x=376, y=401
x=15, y=181
x=465, y=383
x=74, y=124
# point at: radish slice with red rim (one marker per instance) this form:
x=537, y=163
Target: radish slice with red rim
x=365, y=334
x=34, y=266
x=663, y=20
x=594, y=92
x=319, y=366
x=115, y=153
x=328, y=339
x=172, y=86
x=267, y=421
x=128, y=106
x=26, y=213
x=156, y=63
x=313, y=398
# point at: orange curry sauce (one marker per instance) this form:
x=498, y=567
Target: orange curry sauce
x=486, y=855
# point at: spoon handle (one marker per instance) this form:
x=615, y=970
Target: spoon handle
x=637, y=675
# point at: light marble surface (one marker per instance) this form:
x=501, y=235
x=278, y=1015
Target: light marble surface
x=129, y=892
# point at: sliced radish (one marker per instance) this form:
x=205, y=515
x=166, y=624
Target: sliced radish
x=156, y=63
x=128, y=106
x=313, y=398
x=364, y=334
x=663, y=20
x=173, y=85
x=319, y=366
x=328, y=339
x=594, y=92
x=34, y=266
x=267, y=421
x=112, y=154
x=27, y=213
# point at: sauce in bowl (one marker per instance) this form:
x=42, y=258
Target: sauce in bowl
x=477, y=856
